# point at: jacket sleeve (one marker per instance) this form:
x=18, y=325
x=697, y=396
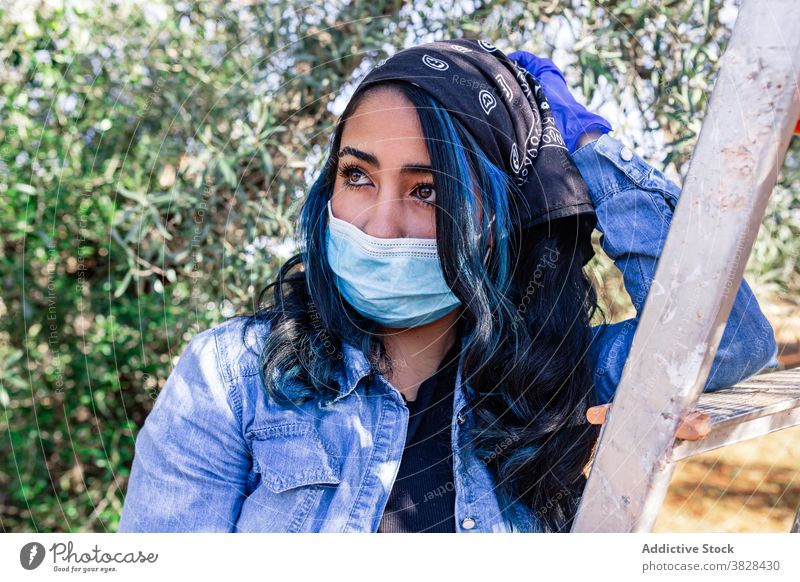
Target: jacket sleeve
x=634, y=203
x=191, y=462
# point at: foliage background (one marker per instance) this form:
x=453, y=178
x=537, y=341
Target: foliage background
x=153, y=157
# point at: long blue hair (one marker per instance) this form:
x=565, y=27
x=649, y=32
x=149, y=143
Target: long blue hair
x=526, y=318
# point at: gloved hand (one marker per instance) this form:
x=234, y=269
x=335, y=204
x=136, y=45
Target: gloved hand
x=572, y=118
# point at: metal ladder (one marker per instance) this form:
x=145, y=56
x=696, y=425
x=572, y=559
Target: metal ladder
x=741, y=147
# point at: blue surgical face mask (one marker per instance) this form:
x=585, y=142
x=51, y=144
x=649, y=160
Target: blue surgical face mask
x=397, y=282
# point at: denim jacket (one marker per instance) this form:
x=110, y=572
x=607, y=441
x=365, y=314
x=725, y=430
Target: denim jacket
x=213, y=455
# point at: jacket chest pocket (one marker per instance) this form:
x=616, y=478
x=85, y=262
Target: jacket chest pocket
x=292, y=455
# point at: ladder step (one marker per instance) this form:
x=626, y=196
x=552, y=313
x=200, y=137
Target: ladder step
x=758, y=406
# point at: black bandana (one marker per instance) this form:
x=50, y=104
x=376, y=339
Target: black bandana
x=504, y=108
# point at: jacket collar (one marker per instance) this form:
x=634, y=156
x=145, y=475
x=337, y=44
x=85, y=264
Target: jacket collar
x=355, y=366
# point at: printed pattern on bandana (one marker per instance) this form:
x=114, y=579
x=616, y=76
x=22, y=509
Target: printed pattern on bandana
x=505, y=109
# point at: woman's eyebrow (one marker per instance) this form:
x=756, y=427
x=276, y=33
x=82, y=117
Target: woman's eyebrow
x=371, y=159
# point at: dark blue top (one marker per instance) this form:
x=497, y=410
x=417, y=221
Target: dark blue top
x=423, y=496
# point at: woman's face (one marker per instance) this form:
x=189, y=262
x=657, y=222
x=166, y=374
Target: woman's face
x=384, y=182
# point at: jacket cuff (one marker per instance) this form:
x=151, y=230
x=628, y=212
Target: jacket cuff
x=607, y=165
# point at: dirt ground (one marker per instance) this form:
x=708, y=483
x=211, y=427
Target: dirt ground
x=752, y=486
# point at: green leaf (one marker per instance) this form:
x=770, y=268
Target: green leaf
x=227, y=172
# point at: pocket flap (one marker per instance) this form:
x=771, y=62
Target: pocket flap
x=291, y=455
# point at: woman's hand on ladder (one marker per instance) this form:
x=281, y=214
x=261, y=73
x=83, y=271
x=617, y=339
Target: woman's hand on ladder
x=693, y=427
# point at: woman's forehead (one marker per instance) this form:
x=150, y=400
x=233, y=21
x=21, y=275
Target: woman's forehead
x=385, y=122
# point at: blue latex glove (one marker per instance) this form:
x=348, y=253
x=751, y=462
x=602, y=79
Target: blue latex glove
x=572, y=118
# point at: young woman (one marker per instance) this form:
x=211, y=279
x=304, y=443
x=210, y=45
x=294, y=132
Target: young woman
x=427, y=360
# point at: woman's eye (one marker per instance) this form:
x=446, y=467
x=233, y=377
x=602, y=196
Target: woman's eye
x=426, y=193
x=353, y=176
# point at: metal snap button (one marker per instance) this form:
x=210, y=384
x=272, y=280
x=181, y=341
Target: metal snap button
x=468, y=523
x=626, y=154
